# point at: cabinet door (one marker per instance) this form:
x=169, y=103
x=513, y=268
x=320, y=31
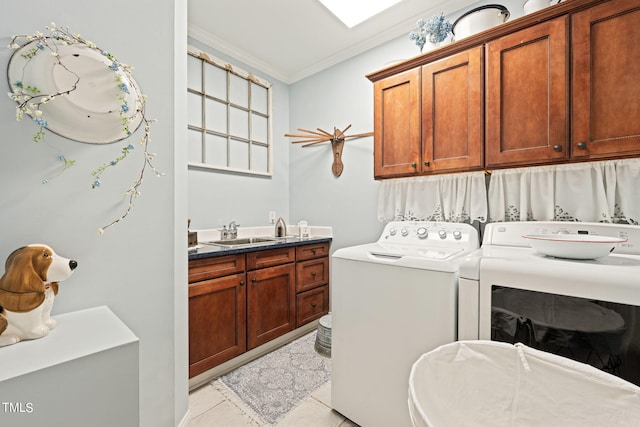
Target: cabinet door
x=526, y=96
x=452, y=113
x=606, y=89
x=270, y=303
x=397, y=124
x=217, y=322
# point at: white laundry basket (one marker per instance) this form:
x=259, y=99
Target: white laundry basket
x=489, y=383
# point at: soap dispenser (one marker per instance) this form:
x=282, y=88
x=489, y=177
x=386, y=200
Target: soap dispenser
x=281, y=228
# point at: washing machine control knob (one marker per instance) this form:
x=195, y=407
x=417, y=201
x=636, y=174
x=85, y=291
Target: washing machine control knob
x=404, y=232
x=393, y=231
x=457, y=235
x=442, y=234
x=422, y=232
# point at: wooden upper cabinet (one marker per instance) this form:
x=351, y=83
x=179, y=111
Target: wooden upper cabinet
x=555, y=86
x=527, y=96
x=397, y=124
x=452, y=128
x=606, y=80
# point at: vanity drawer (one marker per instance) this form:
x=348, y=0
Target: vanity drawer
x=210, y=268
x=312, y=305
x=314, y=250
x=270, y=257
x=311, y=274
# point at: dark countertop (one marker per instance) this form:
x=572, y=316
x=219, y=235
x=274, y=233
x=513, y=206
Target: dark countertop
x=210, y=251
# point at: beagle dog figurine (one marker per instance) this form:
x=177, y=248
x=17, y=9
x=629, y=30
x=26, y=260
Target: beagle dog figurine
x=27, y=290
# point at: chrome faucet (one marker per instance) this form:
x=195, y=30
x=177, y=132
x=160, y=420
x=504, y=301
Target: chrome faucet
x=224, y=233
x=229, y=233
x=233, y=230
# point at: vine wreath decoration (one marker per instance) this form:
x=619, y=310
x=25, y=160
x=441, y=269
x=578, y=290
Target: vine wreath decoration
x=69, y=86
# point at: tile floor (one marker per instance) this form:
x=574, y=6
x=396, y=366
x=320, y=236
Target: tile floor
x=209, y=408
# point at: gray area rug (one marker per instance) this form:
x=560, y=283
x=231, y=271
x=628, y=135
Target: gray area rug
x=275, y=383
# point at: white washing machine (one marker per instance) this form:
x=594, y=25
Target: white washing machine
x=392, y=301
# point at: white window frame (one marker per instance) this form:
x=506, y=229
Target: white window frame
x=251, y=78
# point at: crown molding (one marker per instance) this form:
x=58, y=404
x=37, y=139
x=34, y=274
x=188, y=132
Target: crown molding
x=402, y=28
x=238, y=54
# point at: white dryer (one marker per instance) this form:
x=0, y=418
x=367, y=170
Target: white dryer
x=392, y=301
x=567, y=304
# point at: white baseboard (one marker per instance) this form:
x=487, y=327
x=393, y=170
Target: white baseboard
x=186, y=419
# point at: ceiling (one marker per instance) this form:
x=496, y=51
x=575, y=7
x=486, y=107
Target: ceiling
x=293, y=39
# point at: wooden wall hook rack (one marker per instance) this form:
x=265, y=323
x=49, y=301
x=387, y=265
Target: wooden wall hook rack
x=337, y=138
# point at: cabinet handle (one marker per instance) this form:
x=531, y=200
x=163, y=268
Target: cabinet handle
x=254, y=280
x=313, y=273
x=582, y=145
x=426, y=163
x=414, y=165
x=313, y=251
x=313, y=305
x=242, y=283
x=557, y=148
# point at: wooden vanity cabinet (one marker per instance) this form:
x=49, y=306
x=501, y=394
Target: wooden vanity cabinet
x=312, y=282
x=217, y=311
x=605, y=74
x=239, y=302
x=271, y=295
x=527, y=96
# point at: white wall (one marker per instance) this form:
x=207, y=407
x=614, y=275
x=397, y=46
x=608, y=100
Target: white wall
x=216, y=198
x=339, y=96
x=303, y=186
x=181, y=293
x=138, y=267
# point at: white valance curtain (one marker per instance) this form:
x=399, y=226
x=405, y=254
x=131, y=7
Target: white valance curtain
x=460, y=197
x=605, y=191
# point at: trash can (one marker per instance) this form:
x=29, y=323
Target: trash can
x=490, y=383
x=323, y=336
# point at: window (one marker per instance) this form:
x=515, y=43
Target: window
x=229, y=117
